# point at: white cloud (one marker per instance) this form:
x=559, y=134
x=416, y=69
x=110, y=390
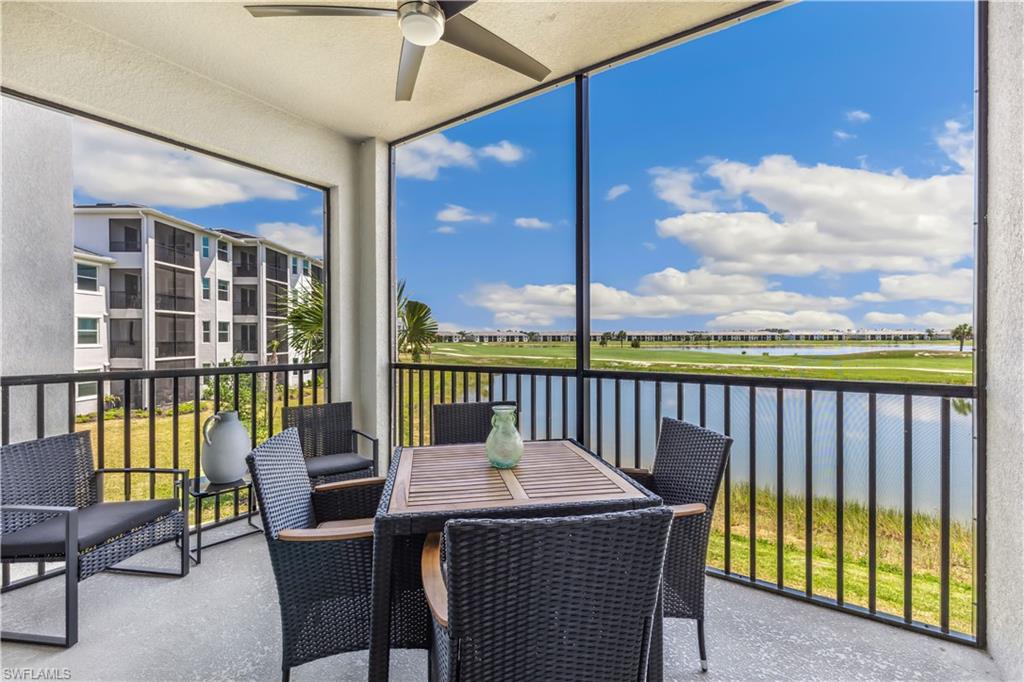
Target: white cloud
x=305, y=238
x=662, y=294
x=958, y=145
x=503, y=151
x=423, y=158
x=824, y=218
x=445, y=229
x=616, y=192
x=649, y=246
x=453, y=213
x=842, y=135
x=880, y=318
x=858, y=116
x=115, y=166
x=956, y=286
x=944, y=321
x=532, y=223
x=801, y=320
x=675, y=185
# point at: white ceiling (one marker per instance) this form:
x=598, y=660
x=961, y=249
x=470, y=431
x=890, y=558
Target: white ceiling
x=340, y=72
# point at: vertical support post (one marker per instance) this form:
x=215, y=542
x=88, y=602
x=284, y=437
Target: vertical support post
x=840, y=496
x=752, y=424
x=872, y=501
x=908, y=508
x=780, y=482
x=727, y=483
x=944, y=514
x=582, y=91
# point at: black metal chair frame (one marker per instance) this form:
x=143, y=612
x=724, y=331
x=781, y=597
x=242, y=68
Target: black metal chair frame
x=453, y=423
x=102, y=557
x=338, y=429
x=323, y=575
x=687, y=473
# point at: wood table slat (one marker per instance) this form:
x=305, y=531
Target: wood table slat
x=459, y=477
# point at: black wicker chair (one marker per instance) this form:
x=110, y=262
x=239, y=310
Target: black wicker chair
x=321, y=550
x=687, y=471
x=329, y=442
x=52, y=511
x=454, y=423
x=570, y=598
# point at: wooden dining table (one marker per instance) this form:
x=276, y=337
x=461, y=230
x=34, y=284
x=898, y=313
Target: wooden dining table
x=427, y=486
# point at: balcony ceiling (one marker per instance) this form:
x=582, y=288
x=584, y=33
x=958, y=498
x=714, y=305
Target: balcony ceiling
x=340, y=72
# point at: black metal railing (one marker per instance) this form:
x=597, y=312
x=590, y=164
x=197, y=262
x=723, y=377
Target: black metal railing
x=181, y=304
x=244, y=347
x=126, y=349
x=276, y=273
x=245, y=270
x=126, y=300
x=870, y=486
x=241, y=308
x=126, y=246
x=166, y=432
x=174, y=255
x=175, y=349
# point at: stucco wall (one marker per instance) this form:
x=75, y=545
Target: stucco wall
x=1005, y=477
x=36, y=266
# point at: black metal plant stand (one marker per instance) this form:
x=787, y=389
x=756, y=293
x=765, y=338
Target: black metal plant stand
x=201, y=489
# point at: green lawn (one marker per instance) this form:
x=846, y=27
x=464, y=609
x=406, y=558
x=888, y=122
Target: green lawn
x=914, y=366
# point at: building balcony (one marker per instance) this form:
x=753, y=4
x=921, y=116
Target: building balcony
x=277, y=274
x=125, y=300
x=164, y=253
x=173, y=303
x=125, y=246
x=175, y=349
x=125, y=349
x=246, y=271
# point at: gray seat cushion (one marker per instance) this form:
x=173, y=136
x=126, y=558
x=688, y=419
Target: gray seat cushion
x=327, y=465
x=96, y=524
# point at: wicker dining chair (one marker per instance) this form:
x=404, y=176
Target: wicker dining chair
x=321, y=551
x=329, y=442
x=687, y=472
x=571, y=598
x=453, y=423
x=52, y=510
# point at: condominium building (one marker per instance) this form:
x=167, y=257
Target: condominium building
x=157, y=292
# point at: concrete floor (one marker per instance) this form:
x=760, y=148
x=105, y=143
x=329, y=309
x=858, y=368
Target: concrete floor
x=221, y=623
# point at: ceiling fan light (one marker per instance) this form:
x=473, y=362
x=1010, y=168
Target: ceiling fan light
x=422, y=23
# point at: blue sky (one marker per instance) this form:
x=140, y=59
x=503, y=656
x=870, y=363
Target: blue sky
x=111, y=165
x=810, y=169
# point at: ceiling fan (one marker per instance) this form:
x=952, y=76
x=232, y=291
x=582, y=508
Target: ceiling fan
x=423, y=23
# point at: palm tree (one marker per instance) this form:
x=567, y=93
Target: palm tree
x=304, y=322
x=400, y=298
x=930, y=333
x=621, y=336
x=605, y=336
x=417, y=329
x=962, y=406
x=532, y=337
x=961, y=333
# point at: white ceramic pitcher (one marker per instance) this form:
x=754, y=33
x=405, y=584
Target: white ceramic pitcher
x=225, y=445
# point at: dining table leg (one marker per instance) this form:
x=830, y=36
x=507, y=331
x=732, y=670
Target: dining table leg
x=380, y=618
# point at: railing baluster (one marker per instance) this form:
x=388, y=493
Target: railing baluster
x=908, y=507
x=565, y=406
x=127, y=409
x=504, y=387
x=234, y=392
x=419, y=403
x=465, y=387
x=476, y=388
x=533, y=407
x=657, y=409
x=752, y=409
x=40, y=410
x=411, y=404
x=399, y=408
x=430, y=375
x=547, y=406
x=519, y=391
x=490, y=386
x=270, y=403
x=618, y=423
x=316, y=387
x=944, y=520
x=808, y=491
x=600, y=417
x=679, y=400
x=101, y=418
x=174, y=424
x=780, y=528
x=151, y=390
x=636, y=423
x=727, y=430
x=302, y=388
x=5, y=419
x=287, y=387
x=71, y=407
x=872, y=501
x=702, y=402
x=253, y=391
x=443, y=399
x=216, y=393
x=840, y=497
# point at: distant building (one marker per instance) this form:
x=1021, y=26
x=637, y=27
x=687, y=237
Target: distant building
x=698, y=337
x=157, y=292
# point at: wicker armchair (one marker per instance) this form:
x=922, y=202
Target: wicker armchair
x=687, y=471
x=329, y=442
x=569, y=598
x=321, y=551
x=454, y=423
x=52, y=510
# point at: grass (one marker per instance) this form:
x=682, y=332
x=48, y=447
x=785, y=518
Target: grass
x=144, y=486
x=906, y=366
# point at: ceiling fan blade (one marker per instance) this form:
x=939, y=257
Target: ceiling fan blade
x=261, y=11
x=453, y=7
x=408, y=69
x=472, y=37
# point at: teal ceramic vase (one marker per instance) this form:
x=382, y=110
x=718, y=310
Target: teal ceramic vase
x=504, y=444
